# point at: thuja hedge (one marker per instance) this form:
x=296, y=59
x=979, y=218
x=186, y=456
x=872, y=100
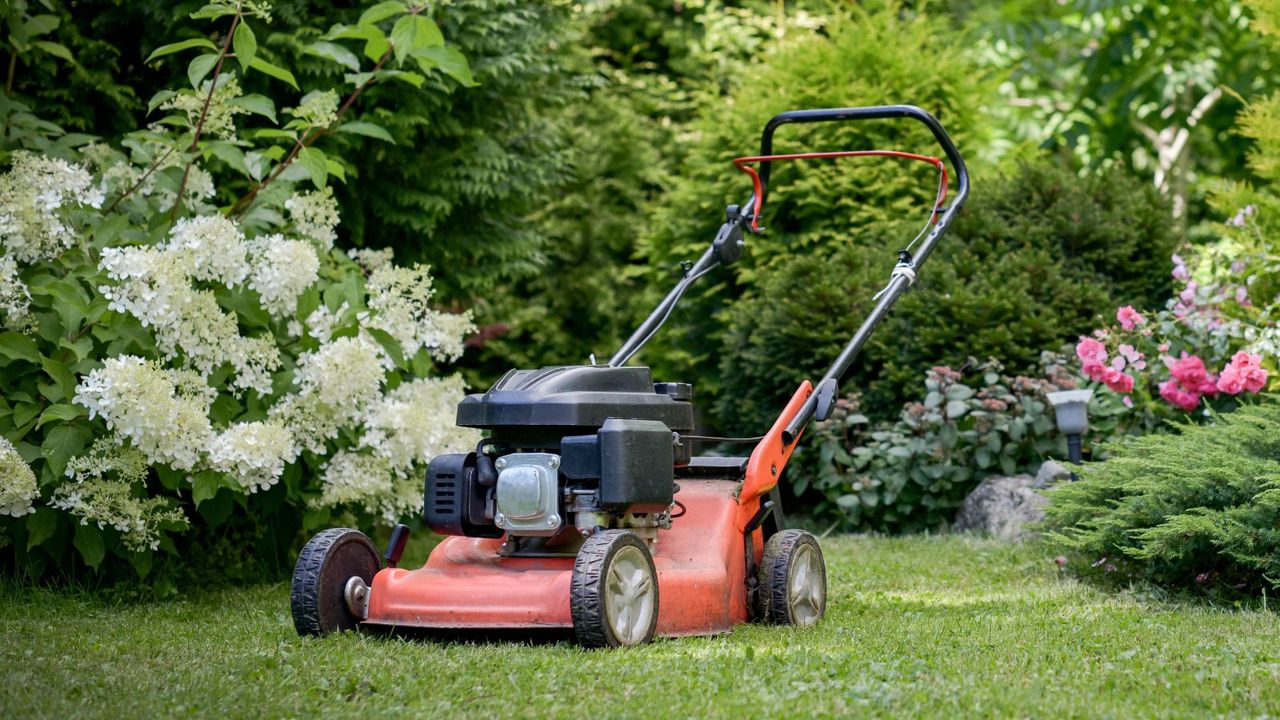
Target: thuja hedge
x=1029, y=265
x=1195, y=509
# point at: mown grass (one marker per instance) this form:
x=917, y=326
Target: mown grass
x=917, y=627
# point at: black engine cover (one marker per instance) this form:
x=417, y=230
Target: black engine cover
x=570, y=400
x=455, y=499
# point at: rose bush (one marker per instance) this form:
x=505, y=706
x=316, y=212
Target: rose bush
x=1210, y=349
x=187, y=359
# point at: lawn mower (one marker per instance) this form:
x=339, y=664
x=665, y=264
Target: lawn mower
x=584, y=509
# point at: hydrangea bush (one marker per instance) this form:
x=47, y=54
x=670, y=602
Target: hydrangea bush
x=183, y=347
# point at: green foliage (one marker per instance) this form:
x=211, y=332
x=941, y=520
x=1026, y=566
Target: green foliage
x=1029, y=265
x=913, y=474
x=1152, y=86
x=644, y=66
x=814, y=207
x=1195, y=509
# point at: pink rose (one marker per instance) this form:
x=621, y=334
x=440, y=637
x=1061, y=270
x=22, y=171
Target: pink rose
x=1243, y=373
x=1095, y=371
x=1129, y=318
x=1091, y=352
x=1178, y=397
x=1117, y=381
x=1189, y=372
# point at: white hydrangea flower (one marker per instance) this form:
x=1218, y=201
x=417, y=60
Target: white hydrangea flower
x=317, y=109
x=336, y=383
x=371, y=259
x=399, y=298
x=315, y=215
x=154, y=287
x=415, y=422
x=31, y=195
x=18, y=486
x=282, y=270
x=209, y=248
x=219, y=117
x=95, y=497
x=321, y=322
x=255, y=453
x=369, y=483
x=164, y=413
x=15, y=299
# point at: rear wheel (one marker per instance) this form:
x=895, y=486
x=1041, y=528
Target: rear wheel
x=793, y=580
x=331, y=580
x=614, y=591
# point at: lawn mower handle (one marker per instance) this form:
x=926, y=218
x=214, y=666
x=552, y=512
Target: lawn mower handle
x=899, y=281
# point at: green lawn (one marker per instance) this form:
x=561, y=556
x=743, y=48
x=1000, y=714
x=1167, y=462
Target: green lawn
x=922, y=626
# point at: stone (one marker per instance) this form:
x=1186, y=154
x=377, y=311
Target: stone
x=1003, y=507
x=1050, y=473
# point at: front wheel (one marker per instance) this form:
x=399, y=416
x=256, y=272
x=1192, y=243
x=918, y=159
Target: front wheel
x=793, y=580
x=331, y=579
x=614, y=591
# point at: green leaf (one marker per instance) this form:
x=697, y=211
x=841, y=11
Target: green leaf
x=204, y=486
x=368, y=129
x=382, y=11
x=412, y=33
x=449, y=61
x=61, y=444
x=314, y=161
x=335, y=169
x=388, y=343
x=256, y=104
x=213, y=11
x=334, y=52
x=158, y=99
x=274, y=71
x=245, y=44
x=17, y=346
x=180, y=46
x=41, y=526
x=956, y=408
x=54, y=49
x=89, y=542
x=62, y=411
x=200, y=67
x=412, y=78
x=40, y=25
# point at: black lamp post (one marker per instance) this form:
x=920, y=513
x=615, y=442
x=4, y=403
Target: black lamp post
x=1072, y=410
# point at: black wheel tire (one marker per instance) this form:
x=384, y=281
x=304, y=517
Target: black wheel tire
x=793, y=580
x=613, y=595
x=326, y=563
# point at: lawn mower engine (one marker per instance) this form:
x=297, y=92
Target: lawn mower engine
x=571, y=451
x=583, y=509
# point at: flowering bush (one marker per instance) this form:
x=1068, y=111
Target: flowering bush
x=177, y=357
x=914, y=473
x=1208, y=349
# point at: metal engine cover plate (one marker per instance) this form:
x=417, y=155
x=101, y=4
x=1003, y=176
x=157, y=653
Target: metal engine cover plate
x=527, y=494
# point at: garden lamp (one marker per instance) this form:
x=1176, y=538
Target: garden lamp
x=1072, y=410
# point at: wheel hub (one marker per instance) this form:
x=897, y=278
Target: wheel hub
x=356, y=595
x=629, y=596
x=806, y=594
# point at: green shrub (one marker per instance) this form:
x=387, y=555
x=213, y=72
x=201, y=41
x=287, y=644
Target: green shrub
x=814, y=207
x=914, y=473
x=468, y=165
x=1195, y=509
x=190, y=379
x=1028, y=266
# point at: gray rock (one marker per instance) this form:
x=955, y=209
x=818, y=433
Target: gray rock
x=1050, y=473
x=1003, y=507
